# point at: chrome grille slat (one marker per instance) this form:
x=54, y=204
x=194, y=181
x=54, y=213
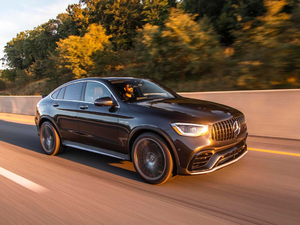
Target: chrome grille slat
x=223, y=130
x=213, y=132
x=227, y=130
x=219, y=132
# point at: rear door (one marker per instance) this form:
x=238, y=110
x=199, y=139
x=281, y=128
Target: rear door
x=98, y=125
x=64, y=111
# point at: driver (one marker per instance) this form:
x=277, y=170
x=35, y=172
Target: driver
x=128, y=95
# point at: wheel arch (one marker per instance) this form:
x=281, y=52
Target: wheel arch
x=49, y=119
x=144, y=129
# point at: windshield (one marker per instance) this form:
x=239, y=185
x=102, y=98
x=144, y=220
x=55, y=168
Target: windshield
x=133, y=90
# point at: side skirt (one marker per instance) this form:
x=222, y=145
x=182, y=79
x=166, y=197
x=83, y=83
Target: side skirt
x=96, y=150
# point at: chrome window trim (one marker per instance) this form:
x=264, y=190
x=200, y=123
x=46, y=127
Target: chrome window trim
x=82, y=81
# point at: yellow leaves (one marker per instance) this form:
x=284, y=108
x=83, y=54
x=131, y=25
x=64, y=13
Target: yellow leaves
x=292, y=79
x=250, y=63
x=229, y=51
x=274, y=11
x=275, y=7
x=75, y=52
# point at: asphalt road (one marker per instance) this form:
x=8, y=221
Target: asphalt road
x=80, y=187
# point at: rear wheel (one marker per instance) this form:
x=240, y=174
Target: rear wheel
x=50, y=139
x=152, y=158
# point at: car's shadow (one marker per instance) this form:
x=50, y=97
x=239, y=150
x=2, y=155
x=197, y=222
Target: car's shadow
x=25, y=136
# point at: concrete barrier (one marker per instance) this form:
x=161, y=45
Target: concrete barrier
x=24, y=105
x=269, y=113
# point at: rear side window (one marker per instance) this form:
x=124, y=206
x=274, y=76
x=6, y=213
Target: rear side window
x=54, y=95
x=61, y=93
x=73, y=92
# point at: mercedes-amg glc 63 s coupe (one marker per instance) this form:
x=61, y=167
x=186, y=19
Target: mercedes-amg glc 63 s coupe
x=142, y=121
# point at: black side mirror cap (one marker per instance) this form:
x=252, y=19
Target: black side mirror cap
x=105, y=101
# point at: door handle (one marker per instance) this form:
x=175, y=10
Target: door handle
x=56, y=104
x=84, y=107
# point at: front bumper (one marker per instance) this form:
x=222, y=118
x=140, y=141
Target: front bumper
x=211, y=155
x=220, y=160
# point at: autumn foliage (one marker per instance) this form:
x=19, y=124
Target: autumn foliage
x=189, y=44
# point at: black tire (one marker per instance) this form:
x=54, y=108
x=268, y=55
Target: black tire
x=50, y=139
x=152, y=159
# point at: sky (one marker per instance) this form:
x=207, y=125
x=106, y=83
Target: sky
x=21, y=15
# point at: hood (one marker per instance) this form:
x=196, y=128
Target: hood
x=186, y=110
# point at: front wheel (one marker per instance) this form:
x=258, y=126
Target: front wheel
x=152, y=158
x=50, y=139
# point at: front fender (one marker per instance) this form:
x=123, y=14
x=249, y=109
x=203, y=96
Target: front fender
x=141, y=129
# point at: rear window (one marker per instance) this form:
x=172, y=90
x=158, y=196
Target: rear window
x=73, y=92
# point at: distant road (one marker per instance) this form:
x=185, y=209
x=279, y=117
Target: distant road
x=80, y=187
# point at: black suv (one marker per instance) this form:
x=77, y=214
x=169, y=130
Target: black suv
x=162, y=133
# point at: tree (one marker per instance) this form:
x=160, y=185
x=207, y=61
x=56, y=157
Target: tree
x=269, y=55
x=9, y=75
x=124, y=18
x=183, y=49
x=75, y=52
x=14, y=52
x=155, y=11
x=79, y=18
x=226, y=16
x=120, y=18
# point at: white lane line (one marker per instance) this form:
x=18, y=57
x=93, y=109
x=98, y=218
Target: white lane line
x=22, y=181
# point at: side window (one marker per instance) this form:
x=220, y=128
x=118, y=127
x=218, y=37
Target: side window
x=95, y=90
x=73, y=92
x=54, y=95
x=61, y=93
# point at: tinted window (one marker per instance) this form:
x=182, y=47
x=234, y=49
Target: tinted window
x=138, y=89
x=61, y=93
x=73, y=92
x=54, y=95
x=95, y=90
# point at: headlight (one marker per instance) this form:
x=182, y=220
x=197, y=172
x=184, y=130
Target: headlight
x=188, y=129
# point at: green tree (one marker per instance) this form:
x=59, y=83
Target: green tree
x=120, y=18
x=14, y=52
x=226, y=16
x=155, y=11
x=269, y=55
x=183, y=49
x=124, y=18
x=79, y=18
x=9, y=75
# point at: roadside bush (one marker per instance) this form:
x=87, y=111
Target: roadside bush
x=2, y=85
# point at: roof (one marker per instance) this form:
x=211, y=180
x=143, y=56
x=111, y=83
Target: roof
x=108, y=78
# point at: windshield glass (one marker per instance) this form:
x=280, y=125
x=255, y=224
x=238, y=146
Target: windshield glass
x=133, y=90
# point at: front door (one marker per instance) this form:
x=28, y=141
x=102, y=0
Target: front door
x=98, y=124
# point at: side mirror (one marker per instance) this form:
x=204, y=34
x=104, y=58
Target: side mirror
x=105, y=101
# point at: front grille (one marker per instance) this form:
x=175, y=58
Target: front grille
x=223, y=130
x=201, y=160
